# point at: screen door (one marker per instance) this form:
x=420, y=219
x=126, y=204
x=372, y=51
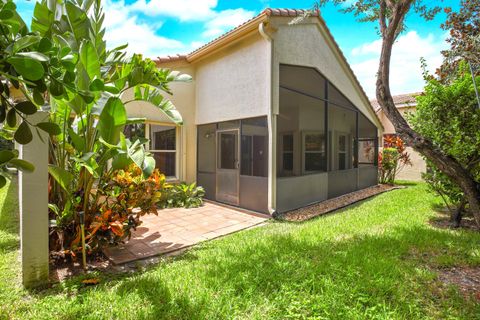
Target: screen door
x=228, y=166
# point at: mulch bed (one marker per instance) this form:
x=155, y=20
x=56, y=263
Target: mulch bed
x=330, y=205
x=64, y=268
x=442, y=221
x=467, y=279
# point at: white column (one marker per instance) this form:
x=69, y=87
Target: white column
x=33, y=201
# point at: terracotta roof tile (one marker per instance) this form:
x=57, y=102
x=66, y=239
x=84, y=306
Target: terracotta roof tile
x=401, y=99
x=176, y=57
x=269, y=12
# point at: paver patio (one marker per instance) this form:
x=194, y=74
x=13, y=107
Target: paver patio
x=174, y=229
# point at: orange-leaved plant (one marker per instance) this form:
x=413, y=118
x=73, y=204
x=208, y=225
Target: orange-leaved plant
x=392, y=159
x=124, y=197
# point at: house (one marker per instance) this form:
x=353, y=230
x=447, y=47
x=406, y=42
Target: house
x=405, y=103
x=274, y=119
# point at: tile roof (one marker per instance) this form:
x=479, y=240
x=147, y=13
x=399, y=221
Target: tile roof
x=400, y=100
x=269, y=12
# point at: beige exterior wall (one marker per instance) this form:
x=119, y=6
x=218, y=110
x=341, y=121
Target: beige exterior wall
x=230, y=84
x=306, y=44
x=184, y=100
x=241, y=80
x=233, y=83
x=413, y=172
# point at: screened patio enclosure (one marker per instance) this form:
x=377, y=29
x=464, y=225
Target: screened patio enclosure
x=232, y=162
x=325, y=146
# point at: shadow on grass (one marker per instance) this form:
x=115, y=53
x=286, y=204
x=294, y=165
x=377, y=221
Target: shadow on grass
x=291, y=271
x=407, y=183
x=9, y=220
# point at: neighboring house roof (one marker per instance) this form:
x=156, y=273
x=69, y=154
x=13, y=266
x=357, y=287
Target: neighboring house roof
x=251, y=25
x=401, y=101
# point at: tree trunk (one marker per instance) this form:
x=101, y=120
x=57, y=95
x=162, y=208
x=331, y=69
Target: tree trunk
x=456, y=217
x=447, y=164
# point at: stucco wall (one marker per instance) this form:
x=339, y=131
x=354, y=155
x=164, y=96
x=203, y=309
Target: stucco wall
x=413, y=172
x=303, y=44
x=233, y=83
x=184, y=100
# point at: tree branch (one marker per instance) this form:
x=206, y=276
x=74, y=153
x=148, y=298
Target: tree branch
x=382, y=18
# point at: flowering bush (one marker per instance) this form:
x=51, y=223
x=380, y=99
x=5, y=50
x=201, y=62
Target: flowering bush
x=392, y=159
x=123, y=198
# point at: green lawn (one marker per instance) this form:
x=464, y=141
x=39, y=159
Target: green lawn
x=375, y=260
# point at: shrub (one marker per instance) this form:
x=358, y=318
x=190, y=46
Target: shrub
x=119, y=201
x=183, y=195
x=440, y=184
x=124, y=197
x=392, y=159
x=448, y=115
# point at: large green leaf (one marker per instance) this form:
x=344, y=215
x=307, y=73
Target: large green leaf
x=22, y=165
x=121, y=161
x=28, y=67
x=89, y=59
x=78, y=141
x=137, y=155
x=25, y=42
x=112, y=120
x=34, y=55
x=6, y=155
x=26, y=107
x=78, y=21
x=50, y=128
x=11, y=118
x=23, y=135
x=63, y=177
x=3, y=181
x=148, y=165
x=42, y=19
x=148, y=93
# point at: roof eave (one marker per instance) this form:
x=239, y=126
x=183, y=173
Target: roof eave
x=228, y=38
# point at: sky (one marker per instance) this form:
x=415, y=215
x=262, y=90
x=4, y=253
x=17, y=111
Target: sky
x=162, y=27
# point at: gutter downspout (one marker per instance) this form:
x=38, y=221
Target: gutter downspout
x=272, y=126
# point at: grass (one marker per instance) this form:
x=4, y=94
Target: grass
x=374, y=260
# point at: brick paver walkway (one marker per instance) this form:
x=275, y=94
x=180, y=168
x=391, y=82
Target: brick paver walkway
x=174, y=229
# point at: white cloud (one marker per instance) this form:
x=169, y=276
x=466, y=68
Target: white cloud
x=224, y=20
x=405, y=72
x=123, y=24
x=122, y=27
x=185, y=10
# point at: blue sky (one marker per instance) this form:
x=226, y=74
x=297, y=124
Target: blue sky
x=161, y=27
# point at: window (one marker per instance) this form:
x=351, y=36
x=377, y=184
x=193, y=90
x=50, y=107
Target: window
x=366, y=151
x=287, y=152
x=254, y=147
x=162, y=145
x=301, y=121
x=342, y=152
x=134, y=131
x=367, y=141
x=227, y=155
x=314, y=152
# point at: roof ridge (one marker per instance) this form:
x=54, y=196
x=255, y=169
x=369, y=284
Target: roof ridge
x=269, y=12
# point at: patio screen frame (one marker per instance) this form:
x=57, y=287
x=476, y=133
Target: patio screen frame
x=299, y=87
x=327, y=102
